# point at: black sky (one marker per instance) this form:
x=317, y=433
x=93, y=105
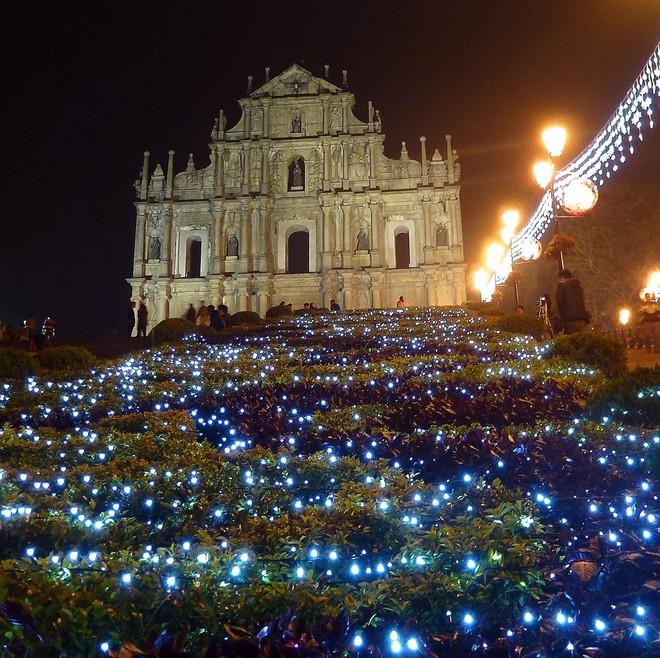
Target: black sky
x=89, y=86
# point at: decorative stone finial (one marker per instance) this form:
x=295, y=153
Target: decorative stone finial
x=249, y=86
x=267, y=73
x=344, y=78
x=326, y=68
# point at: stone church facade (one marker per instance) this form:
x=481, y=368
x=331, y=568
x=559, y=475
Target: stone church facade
x=299, y=204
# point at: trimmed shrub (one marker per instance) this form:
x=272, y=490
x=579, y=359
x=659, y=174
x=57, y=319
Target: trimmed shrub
x=278, y=311
x=591, y=349
x=633, y=398
x=176, y=329
x=520, y=324
x=16, y=364
x=65, y=357
x=243, y=317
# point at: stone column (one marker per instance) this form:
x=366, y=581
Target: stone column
x=266, y=104
x=425, y=173
x=347, y=242
x=144, y=187
x=327, y=165
x=220, y=168
x=325, y=102
x=345, y=170
x=450, y=161
x=326, y=247
x=376, y=230
x=219, y=248
x=344, y=114
x=170, y=175
x=247, y=168
x=429, y=250
x=138, y=250
x=372, y=165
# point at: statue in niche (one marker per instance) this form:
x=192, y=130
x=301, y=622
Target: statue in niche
x=296, y=122
x=336, y=160
x=297, y=174
x=362, y=241
x=154, y=248
x=335, y=117
x=457, y=165
x=442, y=236
x=356, y=164
x=232, y=245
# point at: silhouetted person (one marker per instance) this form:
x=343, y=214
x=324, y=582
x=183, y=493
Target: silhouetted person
x=130, y=319
x=571, y=307
x=142, y=320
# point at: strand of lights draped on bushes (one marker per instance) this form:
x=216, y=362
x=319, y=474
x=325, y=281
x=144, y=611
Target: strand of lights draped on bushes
x=602, y=158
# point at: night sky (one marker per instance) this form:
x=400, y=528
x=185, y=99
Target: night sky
x=89, y=86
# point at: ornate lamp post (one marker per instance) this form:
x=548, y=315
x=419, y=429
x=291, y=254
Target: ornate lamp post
x=554, y=140
x=511, y=218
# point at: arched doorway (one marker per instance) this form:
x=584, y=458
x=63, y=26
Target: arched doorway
x=402, y=250
x=298, y=253
x=194, y=258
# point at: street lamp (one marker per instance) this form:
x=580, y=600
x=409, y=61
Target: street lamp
x=511, y=218
x=554, y=140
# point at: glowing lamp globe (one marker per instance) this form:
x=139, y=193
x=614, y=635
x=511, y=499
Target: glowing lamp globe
x=481, y=278
x=531, y=250
x=579, y=196
x=543, y=172
x=624, y=316
x=511, y=219
x=554, y=139
x=494, y=256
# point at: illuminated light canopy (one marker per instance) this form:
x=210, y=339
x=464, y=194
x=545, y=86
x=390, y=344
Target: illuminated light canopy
x=579, y=196
x=531, y=250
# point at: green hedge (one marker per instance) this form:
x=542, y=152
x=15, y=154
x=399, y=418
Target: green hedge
x=16, y=364
x=243, y=317
x=590, y=349
x=520, y=324
x=634, y=398
x=176, y=329
x=65, y=357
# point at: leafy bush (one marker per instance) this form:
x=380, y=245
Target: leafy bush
x=243, y=317
x=278, y=311
x=633, y=398
x=175, y=329
x=66, y=357
x=16, y=364
x=591, y=349
x=520, y=324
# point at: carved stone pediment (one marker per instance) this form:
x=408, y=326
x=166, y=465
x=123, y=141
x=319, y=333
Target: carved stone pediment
x=295, y=81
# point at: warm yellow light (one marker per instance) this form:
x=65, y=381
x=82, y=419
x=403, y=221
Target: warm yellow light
x=554, y=139
x=511, y=219
x=579, y=196
x=543, y=173
x=494, y=256
x=654, y=281
x=506, y=235
x=481, y=278
x=624, y=316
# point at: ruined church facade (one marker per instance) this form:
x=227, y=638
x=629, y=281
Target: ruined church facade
x=299, y=204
